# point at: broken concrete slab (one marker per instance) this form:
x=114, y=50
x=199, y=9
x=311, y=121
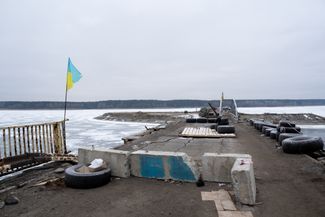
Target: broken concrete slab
x=212, y=196
x=221, y=199
x=235, y=214
x=217, y=167
x=228, y=205
x=117, y=160
x=163, y=165
x=243, y=178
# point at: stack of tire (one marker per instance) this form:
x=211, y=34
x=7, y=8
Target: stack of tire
x=265, y=127
x=285, y=130
x=222, y=126
x=196, y=120
x=289, y=136
x=200, y=120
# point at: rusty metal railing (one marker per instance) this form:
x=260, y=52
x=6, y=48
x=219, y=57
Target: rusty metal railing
x=27, y=144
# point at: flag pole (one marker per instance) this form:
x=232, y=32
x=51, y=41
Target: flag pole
x=73, y=75
x=64, y=117
x=65, y=99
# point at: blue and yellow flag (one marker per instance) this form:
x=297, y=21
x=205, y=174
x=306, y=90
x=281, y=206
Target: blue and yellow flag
x=73, y=75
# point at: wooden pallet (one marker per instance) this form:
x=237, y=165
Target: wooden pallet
x=204, y=132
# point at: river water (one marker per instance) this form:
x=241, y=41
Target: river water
x=82, y=130
x=85, y=131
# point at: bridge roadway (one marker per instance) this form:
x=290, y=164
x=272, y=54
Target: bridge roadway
x=287, y=185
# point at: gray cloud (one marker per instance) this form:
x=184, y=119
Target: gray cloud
x=162, y=49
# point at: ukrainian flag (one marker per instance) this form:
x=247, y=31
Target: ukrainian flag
x=73, y=75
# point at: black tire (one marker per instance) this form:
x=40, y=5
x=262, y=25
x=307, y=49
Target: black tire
x=190, y=120
x=202, y=120
x=264, y=128
x=273, y=134
x=225, y=129
x=284, y=136
x=302, y=144
x=268, y=131
x=256, y=124
x=251, y=122
x=212, y=120
x=289, y=130
x=75, y=179
x=269, y=125
x=223, y=121
x=277, y=135
x=286, y=124
x=214, y=126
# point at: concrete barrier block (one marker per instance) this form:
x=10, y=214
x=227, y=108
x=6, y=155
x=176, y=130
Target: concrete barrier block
x=117, y=160
x=217, y=167
x=163, y=165
x=243, y=179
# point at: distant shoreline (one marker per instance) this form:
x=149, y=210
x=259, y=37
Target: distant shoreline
x=154, y=104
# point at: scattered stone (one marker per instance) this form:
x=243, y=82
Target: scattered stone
x=22, y=184
x=7, y=189
x=11, y=200
x=65, y=165
x=2, y=204
x=200, y=182
x=321, y=158
x=59, y=170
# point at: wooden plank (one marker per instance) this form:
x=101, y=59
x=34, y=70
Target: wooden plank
x=9, y=139
x=51, y=138
x=19, y=140
x=4, y=143
x=36, y=139
x=235, y=214
x=204, y=132
x=15, y=141
x=28, y=125
x=24, y=139
x=40, y=139
x=28, y=139
x=32, y=138
x=44, y=140
x=47, y=137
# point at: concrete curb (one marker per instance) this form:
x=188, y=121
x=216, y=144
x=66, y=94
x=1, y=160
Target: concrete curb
x=217, y=167
x=243, y=178
x=117, y=160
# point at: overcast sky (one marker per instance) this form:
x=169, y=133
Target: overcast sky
x=168, y=49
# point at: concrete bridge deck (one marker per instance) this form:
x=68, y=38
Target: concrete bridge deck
x=287, y=185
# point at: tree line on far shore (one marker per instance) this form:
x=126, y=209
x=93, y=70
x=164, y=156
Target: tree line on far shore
x=124, y=104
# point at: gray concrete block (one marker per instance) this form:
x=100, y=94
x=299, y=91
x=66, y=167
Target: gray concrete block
x=243, y=178
x=163, y=165
x=117, y=160
x=217, y=167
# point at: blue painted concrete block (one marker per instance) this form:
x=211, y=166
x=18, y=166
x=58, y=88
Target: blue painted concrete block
x=179, y=170
x=152, y=166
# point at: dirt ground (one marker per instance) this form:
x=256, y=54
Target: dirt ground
x=132, y=197
x=287, y=185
